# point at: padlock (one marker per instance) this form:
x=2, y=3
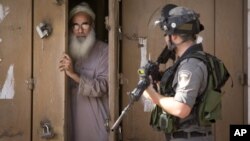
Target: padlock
x=47, y=132
x=43, y=29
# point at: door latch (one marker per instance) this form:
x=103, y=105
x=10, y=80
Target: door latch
x=43, y=29
x=48, y=132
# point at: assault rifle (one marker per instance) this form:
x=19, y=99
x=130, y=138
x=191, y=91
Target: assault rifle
x=150, y=69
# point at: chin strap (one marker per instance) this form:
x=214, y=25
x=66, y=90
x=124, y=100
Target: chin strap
x=172, y=45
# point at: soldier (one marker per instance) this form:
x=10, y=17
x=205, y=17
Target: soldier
x=87, y=66
x=175, y=110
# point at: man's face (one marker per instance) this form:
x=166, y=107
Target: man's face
x=81, y=24
x=82, y=37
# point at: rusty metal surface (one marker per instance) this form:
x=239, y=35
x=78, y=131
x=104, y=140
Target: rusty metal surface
x=15, y=69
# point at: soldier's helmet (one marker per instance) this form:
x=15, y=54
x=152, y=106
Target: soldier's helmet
x=179, y=20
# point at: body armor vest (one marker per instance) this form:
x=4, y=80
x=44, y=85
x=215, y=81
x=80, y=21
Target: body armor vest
x=207, y=108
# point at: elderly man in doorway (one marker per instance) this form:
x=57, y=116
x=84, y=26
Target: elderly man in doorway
x=87, y=67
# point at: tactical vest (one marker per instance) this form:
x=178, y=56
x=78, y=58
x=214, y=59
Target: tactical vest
x=207, y=108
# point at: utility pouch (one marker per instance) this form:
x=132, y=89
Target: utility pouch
x=162, y=121
x=210, y=109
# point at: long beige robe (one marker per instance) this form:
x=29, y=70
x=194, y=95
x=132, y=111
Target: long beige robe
x=90, y=96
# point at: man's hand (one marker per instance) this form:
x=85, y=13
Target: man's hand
x=66, y=65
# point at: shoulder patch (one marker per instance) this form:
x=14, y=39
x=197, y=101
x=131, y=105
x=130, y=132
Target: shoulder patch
x=184, y=77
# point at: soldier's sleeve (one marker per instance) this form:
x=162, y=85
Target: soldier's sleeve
x=190, y=79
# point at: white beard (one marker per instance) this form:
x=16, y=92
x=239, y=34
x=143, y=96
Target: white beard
x=81, y=46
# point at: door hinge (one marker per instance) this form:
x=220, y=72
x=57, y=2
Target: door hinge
x=242, y=77
x=122, y=79
x=30, y=83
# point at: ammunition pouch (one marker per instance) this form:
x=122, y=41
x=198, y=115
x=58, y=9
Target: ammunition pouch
x=209, y=107
x=162, y=121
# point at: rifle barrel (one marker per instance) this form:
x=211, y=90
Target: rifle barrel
x=124, y=111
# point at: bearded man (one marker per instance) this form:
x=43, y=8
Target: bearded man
x=87, y=66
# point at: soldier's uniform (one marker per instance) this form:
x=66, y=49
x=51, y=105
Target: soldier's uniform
x=185, y=80
x=190, y=80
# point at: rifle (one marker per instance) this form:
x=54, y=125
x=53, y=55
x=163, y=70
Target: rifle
x=150, y=69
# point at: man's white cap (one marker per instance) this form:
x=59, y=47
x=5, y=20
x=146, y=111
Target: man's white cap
x=82, y=7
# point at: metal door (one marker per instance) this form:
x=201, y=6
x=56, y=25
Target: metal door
x=15, y=70
x=32, y=90
x=229, y=45
x=49, y=96
x=223, y=36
